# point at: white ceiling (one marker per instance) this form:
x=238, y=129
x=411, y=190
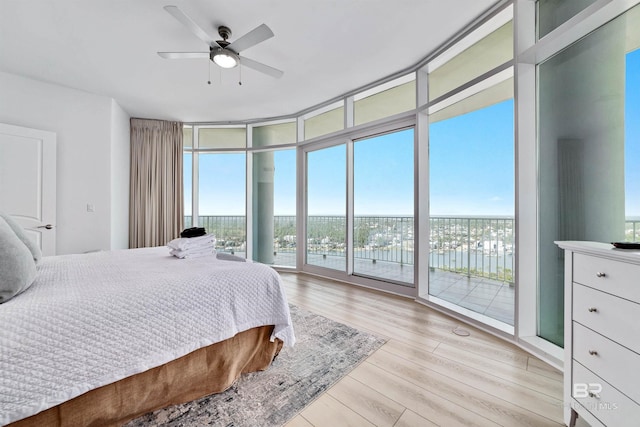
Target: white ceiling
x=324, y=47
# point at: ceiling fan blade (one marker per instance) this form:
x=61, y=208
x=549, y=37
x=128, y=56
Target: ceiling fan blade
x=184, y=55
x=259, y=66
x=252, y=38
x=191, y=25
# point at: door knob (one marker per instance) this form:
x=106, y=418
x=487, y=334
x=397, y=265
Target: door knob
x=48, y=226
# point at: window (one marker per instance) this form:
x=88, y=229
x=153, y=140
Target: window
x=187, y=171
x=326, y=240
x=221, y=199
x=472, y=175
x=383, y=231
x=274, y=134
x=325, y=122
x=553, y=13
x=395, y=97
x=274, y=207
x=471, y=180
x=464, y=62
x=229, y=137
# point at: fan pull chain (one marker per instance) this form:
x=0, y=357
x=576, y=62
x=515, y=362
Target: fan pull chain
x=209, y=81
x=240, y=71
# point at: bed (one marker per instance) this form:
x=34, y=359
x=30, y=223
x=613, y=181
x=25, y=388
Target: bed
x=101, y=338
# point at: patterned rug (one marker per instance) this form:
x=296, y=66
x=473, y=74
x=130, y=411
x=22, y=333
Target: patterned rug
x=325, y=351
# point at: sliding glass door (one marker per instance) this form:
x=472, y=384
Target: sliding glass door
x=383, y=231
x=360, y=208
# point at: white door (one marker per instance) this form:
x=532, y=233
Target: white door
x=28, y=182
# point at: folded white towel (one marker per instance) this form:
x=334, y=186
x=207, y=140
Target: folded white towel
x=184, y=243
x=193, y=253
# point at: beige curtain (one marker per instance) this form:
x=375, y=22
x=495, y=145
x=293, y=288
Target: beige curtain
x=156, y=196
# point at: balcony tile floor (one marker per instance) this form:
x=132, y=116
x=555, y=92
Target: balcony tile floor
x=492, y=298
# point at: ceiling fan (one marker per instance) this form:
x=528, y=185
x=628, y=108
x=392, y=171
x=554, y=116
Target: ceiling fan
x=223, y=53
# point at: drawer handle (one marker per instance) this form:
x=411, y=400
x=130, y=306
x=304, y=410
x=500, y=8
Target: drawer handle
x=592, y=310
x=593, y=352
x=594, y=395
x=601, y=274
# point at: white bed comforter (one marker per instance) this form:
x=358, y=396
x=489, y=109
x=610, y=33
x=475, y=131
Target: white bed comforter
x=93, y=319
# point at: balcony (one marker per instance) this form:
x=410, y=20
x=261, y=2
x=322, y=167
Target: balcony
x=475, y=247
x=471, y=259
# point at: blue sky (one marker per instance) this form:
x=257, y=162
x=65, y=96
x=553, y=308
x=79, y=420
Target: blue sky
x=383, y=177
x=471, y=163
x=632, y=135
x=471, y=168
x=326, y=182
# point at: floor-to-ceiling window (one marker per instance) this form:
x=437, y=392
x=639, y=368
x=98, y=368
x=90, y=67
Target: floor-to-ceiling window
x=215, y=183
x=326, y=239
x=284, y=208
x=274, y=193
x=472, y=175
x=187, y=170
x=221, y=199
x=588, y=148
x=471, y=178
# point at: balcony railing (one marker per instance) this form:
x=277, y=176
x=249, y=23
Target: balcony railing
x=632, y=230
x=480, y=247
x=473, y=246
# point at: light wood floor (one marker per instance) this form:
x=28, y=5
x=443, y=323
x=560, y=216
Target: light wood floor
x=424, y=375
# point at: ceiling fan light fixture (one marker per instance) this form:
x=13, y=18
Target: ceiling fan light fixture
x=225, y=58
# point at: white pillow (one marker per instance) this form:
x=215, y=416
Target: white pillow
x=33, y=247
x=17, y=266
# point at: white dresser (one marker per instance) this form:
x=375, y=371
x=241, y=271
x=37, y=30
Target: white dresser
x=602, y=334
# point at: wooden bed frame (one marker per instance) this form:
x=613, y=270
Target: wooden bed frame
x=205, y=371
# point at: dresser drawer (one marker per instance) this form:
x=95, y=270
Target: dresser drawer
x=613, y=317
x=613, y=363
x=615, y=277
x=609, y=406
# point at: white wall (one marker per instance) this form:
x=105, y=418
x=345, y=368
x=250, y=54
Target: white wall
x=92, y=132
x=120, y=155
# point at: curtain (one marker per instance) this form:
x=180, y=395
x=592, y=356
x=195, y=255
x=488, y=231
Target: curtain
x=156, y=212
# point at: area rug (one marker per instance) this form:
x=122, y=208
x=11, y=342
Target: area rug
x=325, y=351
